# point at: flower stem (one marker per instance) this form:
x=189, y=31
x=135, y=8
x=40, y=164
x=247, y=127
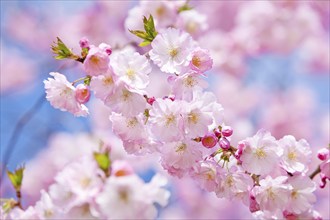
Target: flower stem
x=316, y=171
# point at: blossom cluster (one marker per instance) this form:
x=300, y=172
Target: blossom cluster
x=185, y=126
x=82, y=190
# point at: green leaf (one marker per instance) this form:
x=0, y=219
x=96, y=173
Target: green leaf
x=87, y=80
x=103, y=161
x=16, y=177
x=185, y=7
x=144, y=43
x=61, y=50
x=140, y=34
x=149, y=27
x=8, y=205
x=149, y=33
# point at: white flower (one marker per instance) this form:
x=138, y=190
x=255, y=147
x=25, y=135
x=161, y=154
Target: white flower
x=128, y=128
x=184, y=85
x=234, y=184
x=171, y=50
x=61, y=95
x=192, y=21
x=103, y=85
x=296, y=154
x=272, y=194
x=131, y=68
x=166, y=120
x=45, y=207
x=81, y=178
x=125, y=101
x=128, y=197
x=179, y=157
x=261, y=153
x=301, y=197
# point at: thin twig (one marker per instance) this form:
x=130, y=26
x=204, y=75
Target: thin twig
x=317, y=171
x=17, y=131
x=19, y=127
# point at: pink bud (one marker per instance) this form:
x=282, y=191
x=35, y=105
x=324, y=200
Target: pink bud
x=209, y=140
x=289, y=215
x=151, y=100
x=254, y=206
x=84, y=43
x=226, y=131
x=82, y=94
x=323, y=154
x=106, y=48
x=224, y=143
x=217, y=133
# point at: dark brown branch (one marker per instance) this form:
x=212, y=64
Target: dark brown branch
x=316, y=171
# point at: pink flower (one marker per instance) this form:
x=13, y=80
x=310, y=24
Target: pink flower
x=179, y=157
x=272, y=194
x=196, y=119
x=61, y=95
x=234, y=184
x=201, y=60
x=82, y=94
x=166, y=121
x=45, y=208
x=131, y=68
x=296, y=154
x=82, y=178
x=193, y=22
x=97, y=60
x=206, y=173
x=128, y=128
x=261, y=153
x=125, y=101
x=124, y=193
x=301, y=197
x=171, y=50
x=184, y=85
x=103, y=85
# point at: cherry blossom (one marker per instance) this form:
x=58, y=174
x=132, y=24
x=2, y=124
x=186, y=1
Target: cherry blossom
x=132, y=69
x=171, y=50
x=61, y=95
x=261, y=153
x=97, y=60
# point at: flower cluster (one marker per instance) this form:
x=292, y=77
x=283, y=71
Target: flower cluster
x=185, y=127
x=82, y=190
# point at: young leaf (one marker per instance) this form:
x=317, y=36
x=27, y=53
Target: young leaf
x=16, y=177
x=103, y=161
x=149, y=33
x=144, y=43
x=185, y=7
x=61, y=50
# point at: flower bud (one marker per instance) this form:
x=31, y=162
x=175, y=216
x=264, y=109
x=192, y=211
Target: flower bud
x=224, y=143
x=106, y=48
x=151, y=100
x=226, y=131
x=84, y=43
x=254, y=206
x=217, y=133
x=82, y=94
x=209, y=140
x=323, y=154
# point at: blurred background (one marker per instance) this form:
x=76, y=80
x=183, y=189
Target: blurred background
x=271, y=70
